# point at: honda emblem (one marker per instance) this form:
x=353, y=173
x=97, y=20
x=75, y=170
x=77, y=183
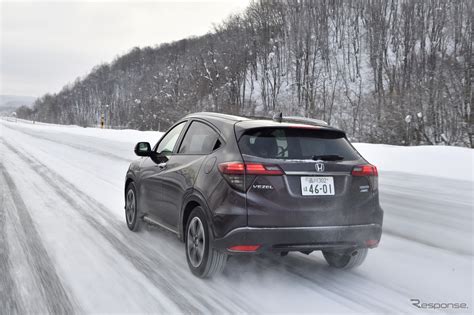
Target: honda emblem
x=319, y=167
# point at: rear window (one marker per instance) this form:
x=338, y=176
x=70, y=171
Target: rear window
x=295, y=143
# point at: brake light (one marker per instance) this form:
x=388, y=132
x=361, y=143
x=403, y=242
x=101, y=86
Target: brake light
x=365, y=170
x=304, y=127
x=244, y=248
x=238, y=168
x=261, y=169
x=372, y=243
x=234, y=172
x=232, y=168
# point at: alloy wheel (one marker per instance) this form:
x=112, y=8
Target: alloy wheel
x=131, y=207
x=195, y=242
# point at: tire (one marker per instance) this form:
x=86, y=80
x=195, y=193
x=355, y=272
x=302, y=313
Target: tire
x=131, y=209
x=346, y=261
x=203, y=260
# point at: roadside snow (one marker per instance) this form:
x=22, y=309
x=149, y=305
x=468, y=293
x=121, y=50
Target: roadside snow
x=123, y=135
x=437, y=161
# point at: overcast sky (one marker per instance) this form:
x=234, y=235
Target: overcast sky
x=45, y=45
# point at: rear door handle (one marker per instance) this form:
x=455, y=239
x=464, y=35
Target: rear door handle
x=162, y=165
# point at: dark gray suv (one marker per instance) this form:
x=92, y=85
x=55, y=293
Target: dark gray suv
x=230, y=185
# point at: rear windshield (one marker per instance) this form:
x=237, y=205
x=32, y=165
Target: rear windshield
x=296, y=143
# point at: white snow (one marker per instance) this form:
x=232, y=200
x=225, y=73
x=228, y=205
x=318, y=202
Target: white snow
x=123, y=135
x=426, y=250
x=437, y=161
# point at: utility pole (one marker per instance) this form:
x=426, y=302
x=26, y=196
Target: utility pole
x=107, y=115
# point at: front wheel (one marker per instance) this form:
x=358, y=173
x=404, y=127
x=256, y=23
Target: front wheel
x=346, y=261
x=131, y=210
x=203, y=260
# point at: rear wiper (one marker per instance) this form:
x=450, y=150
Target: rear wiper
x=328, y=157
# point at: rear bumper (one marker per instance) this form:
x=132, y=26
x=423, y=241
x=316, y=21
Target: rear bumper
x=302, y=238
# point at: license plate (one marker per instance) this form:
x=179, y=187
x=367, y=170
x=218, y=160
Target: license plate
x=317, y=186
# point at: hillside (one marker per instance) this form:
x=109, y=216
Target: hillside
x=396, y=72
x=9, y=103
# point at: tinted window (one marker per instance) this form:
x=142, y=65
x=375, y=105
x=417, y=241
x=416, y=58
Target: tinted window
x=294, y=143
x=199, y=139
x=167, y=144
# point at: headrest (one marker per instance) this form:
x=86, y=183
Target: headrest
x=265, y=146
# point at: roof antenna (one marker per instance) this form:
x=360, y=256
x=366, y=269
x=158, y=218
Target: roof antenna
x=278, y=117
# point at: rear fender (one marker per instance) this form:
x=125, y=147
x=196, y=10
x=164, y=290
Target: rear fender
x=194, y=196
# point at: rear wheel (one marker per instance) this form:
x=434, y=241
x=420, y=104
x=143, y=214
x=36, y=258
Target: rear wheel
x=344, y=260
x=131, y=210
x=203, y=260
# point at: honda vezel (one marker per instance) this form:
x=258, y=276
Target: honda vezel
x=228, y=185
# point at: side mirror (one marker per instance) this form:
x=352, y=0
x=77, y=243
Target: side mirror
x=143, y=149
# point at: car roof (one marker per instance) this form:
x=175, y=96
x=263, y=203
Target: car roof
x=216, y=116
x=244, y=123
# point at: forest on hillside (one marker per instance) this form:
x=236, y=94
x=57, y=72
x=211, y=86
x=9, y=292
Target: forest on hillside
x=392, y=71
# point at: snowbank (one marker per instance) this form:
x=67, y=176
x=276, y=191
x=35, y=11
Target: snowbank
x=123, y=135
x=439, y=161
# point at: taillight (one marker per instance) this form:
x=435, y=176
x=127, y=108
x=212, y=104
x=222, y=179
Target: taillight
x=239, y=168
x=364, y=170
x=262, y=169
x=372, y=243
x=234, y=172
x=368, y=171
x=232, y=168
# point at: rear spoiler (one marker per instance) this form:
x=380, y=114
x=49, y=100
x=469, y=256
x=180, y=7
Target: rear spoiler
x=297, y=119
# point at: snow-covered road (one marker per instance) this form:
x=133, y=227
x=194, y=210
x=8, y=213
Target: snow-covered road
x=65, y=248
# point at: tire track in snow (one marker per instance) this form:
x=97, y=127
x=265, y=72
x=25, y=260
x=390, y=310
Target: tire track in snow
x=325, y=280
x=75, y=146
x=56, y=299
x=9, y=297
x=145, y=267
x=170, y=284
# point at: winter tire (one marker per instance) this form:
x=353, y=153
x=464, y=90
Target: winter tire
x=131, y=209
x=203, y=260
